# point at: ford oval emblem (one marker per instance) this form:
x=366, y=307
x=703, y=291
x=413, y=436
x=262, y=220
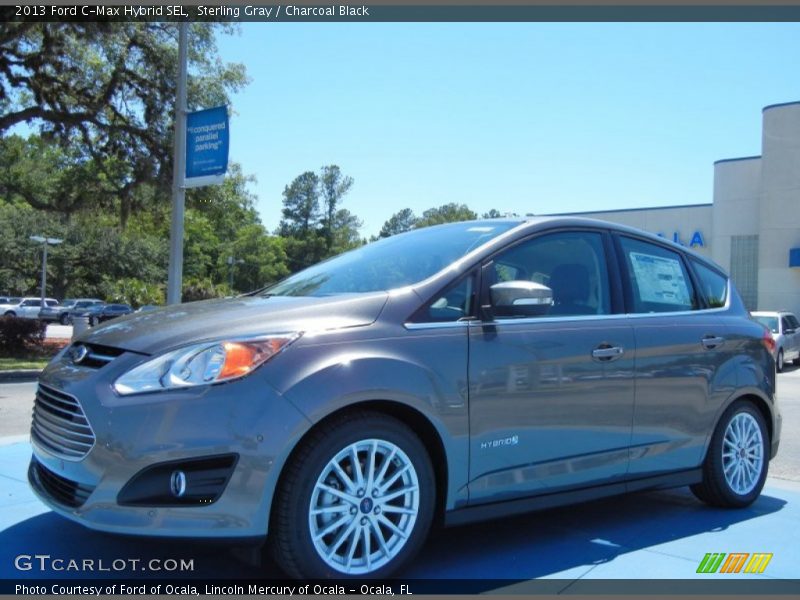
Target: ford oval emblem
x=78, y=353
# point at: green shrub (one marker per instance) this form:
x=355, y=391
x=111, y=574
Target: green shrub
x=203, y=289
x=136, y=292
x=18, y=336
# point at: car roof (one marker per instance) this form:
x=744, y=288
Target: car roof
x=556, y=221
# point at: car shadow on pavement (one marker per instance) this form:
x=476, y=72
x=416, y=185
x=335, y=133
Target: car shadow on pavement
x=568, y=542
x=561, y=543
x=58, y=538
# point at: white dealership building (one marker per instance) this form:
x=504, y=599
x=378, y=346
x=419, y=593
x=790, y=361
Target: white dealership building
x=752, y=227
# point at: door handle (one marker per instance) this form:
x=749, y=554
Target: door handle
x=606, y=352
x=712, y=341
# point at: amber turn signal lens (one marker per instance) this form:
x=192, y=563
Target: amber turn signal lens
x=243, y=357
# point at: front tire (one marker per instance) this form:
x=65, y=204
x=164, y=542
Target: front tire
x=64, y=320
x=779, y=362
x=356, y=500
x=737, y=461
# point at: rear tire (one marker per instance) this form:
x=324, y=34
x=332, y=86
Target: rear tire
x=356, y=500
x=737, y=461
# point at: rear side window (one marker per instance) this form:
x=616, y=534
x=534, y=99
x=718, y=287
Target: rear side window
x=658, y=278
x=713, y=285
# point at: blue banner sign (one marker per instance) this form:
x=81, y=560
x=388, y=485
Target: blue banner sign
x=206, y=146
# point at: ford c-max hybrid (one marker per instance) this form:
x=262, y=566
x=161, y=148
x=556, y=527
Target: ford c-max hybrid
x=449, y=374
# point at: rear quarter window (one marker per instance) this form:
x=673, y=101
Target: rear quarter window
x=713, y=285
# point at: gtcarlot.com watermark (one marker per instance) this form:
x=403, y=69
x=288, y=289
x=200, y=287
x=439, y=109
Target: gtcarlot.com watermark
x=45, y=563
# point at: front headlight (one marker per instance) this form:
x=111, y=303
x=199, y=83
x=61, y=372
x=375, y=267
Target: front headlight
x=202, y=364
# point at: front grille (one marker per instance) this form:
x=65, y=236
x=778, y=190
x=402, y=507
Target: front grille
x=59, y=489
x=60, y=425
x=97, y=356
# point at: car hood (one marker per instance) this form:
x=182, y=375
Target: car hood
x=159, y=330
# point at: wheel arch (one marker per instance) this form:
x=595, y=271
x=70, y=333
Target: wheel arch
x=762, y=405
x=415, y=420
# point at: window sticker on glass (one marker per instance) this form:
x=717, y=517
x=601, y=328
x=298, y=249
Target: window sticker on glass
x=660, y=279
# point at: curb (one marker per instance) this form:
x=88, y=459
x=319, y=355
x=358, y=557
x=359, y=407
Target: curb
x=20, y=375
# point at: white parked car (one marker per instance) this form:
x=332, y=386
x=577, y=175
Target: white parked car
x=27, y=308
x=785, y=329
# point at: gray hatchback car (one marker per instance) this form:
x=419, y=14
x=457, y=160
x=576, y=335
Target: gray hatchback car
x=450, y=374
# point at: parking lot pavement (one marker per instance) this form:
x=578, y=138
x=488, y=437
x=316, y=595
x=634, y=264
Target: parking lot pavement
x=657, y=535
x=56, y=331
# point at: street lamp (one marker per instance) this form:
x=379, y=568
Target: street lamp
x=232, y=261
x=45, y=241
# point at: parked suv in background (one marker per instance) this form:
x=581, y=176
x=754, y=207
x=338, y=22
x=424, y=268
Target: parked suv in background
x=785, y=330
x=82, y=308
x=100, y=313
x=61, y=313
x=27, y=308
x=451, y=374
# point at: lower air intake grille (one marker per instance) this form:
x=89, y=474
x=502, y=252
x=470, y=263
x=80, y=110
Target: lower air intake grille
x=59, y=489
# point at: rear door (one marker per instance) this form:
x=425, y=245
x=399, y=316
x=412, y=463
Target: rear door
x=551, y=397
x=30, y=309
x=681, y=354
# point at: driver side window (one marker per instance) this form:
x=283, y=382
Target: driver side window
x=571, y=263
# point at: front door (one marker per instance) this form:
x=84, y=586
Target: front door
x=551, y=397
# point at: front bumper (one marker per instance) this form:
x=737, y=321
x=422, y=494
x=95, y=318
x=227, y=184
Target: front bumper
x=246, y=419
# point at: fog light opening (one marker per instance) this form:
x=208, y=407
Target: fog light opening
x=177, y=484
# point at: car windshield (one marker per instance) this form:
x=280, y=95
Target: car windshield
x=392, y=262
x=770, y=322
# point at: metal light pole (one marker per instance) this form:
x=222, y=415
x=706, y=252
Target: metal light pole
x=45, y=241
x=232, y=261
x=175, y=276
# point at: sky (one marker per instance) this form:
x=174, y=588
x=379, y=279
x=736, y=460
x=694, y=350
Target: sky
x=521, y=117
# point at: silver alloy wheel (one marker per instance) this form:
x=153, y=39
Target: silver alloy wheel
x=364, y=506
x=742, y=453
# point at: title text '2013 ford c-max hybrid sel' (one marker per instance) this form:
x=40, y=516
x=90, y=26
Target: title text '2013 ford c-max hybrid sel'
x=454, y=373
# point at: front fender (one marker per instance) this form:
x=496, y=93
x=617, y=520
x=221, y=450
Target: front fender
x=427, y=376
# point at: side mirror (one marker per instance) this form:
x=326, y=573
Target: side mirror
x=520, y=299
